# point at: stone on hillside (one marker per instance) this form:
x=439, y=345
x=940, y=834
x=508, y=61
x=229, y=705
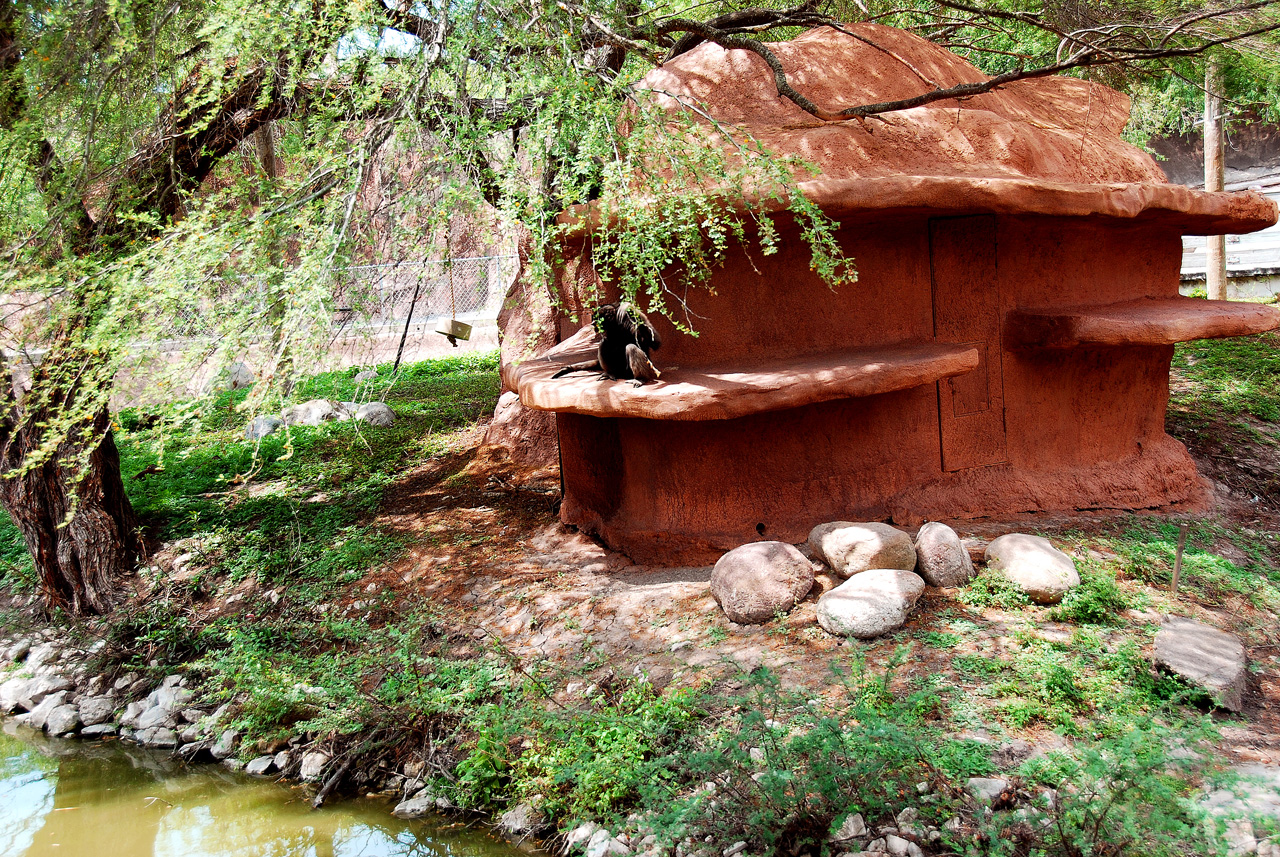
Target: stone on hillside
x=45, y=653
x=853, y=827
x=849, y=548
x=417, y=806
x=159, y=738
x=38, y=715
x=580, y=835
x=376, y=414
x=237, y=376
x=757, y=581
x=260, y=766
x=366, y=375
x=870, y=603
x=11, y=691
x=63, y=719
x=283, y=760
x=986, y=789
x=157, y=715
x=261, y=426
x=40, y=687
x=1206, y=657
x=941, y=558
x=225, y=746
x=18, y=651
x=1039, y=569
x=102, y=730
x=604, y=844
x=311, y=413
x=522, y=820
x=312, y=766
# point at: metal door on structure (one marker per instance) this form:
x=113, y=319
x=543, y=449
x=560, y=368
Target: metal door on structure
x=966, y=309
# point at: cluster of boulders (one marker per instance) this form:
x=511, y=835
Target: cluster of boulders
x=318, y=411
x=51, y=686
x=884, y=573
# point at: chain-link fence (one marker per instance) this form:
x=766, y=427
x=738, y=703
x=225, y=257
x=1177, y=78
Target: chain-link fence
x=376, y=296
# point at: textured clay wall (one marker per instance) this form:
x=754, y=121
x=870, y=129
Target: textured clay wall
x=1030, y=429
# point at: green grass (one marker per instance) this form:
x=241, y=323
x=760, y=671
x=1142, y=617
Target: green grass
x=1231, y=377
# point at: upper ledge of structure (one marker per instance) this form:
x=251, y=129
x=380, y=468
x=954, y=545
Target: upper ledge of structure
x=1178, y=208
x=1140, y=322
x=1190, y=212
x=709, y=393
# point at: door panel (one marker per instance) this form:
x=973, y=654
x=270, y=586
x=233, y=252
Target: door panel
x=966, y=309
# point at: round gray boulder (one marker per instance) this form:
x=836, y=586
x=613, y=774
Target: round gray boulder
x=870, y=603
x=311, y=413
x=260, y=427
x=376, y=414
x=941, y=558
x=850, y=548
x=756, y=581
x=1037, y=567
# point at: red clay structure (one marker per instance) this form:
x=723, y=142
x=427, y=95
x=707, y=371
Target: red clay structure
x=1006, y=348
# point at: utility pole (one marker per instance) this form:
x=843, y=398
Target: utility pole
x=1216, y=248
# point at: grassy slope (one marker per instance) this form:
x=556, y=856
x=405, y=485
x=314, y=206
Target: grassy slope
x=305, y=526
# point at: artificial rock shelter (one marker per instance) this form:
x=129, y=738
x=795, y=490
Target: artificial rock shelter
x=1006, y=348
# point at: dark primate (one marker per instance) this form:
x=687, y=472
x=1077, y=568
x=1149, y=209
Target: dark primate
x=626, y=338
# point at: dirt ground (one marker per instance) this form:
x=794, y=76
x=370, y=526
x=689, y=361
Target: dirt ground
x=490, y=552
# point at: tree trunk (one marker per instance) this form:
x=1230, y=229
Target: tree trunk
x=77, y=522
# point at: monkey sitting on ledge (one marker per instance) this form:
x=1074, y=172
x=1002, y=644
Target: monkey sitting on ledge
x=627, y=337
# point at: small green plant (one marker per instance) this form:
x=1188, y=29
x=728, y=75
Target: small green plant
x=1096, y=601
x=991, y=589
x=940, y=639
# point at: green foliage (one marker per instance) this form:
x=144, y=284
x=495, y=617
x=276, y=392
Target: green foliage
x=1131, y=794
x=17, y=574
x=1230, y=377
x=302, y=519
x=1096, y=601
x=1148, y=548
x=992, y=589
x=587, y=762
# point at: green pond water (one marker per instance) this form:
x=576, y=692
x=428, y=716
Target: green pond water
x=80, y=799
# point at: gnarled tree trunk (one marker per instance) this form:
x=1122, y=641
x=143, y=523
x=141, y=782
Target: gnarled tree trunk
x=71, y=509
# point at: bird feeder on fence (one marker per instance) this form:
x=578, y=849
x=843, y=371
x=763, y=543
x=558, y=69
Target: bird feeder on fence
x=451, y=328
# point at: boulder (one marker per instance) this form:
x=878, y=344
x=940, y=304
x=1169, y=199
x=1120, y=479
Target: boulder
x=850, y=548
x=417, y=806
x=604, y=844
x=158, y=737
x=63, y=719
x=40, y=687
x=11, y=692
x=987, y=790
x=853, y=827
x=261, y=766
x=237, y=376
x=311, y=413
x=18, y=651
x=1039, y=569
x=38, y=715
x=376, y=414
x=45, y=653
x=1206, y=657
x=225, y=746
x=580, y=835
x=260, y=427
x=870, y=603
x=102, y=730
x=941, y=558
x=522, y=820
x=157, y=715
x=366, y=375
x=755, y=582
x=312, y=766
